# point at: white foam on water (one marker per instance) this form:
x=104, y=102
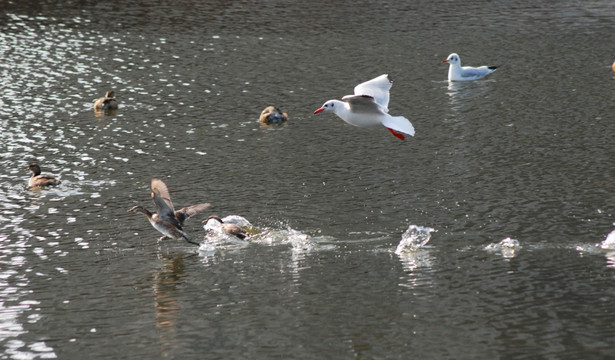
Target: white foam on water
x=414, y=238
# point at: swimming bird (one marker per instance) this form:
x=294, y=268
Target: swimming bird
x=166, y=220
x=107, y=102
x=456, y=72
x=369, y=107
x=41, y=180
x=229, y=228
x=272, y=115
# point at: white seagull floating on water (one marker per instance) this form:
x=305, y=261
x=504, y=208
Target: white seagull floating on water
x=456, y=72
x=369, y=107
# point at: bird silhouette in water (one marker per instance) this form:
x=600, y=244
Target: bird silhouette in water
x=166, y=220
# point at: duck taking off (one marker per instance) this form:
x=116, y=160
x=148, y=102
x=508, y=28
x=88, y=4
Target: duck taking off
x=166, y=220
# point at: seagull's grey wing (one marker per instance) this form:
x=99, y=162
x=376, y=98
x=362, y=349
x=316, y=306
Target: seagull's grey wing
x=364, y=104
x=189, y=211
x=162, y=198
x=468, y=71
x=378, y=88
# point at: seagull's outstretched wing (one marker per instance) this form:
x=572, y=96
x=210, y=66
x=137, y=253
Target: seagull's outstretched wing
x=378, y=88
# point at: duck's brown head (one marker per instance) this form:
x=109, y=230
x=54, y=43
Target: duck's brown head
x=36, y=170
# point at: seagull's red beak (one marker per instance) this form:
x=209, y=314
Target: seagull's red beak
x=319, y=111
x=445, y=60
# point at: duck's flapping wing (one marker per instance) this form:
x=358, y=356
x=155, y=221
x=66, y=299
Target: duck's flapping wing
x=189, y=211
x=162, y=198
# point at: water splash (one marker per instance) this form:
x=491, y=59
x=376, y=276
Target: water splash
x=297, y=239
x=414, y=238
x=610, y=259
x=609, y=242
x=216, y=237
x=207, y=249
x=507, y=247
x=215, y=227
x=237, y=220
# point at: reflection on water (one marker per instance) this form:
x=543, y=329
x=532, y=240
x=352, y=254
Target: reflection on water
x=192, y=77
x=468, y=95
x=165, y=301
x=417, y=266
x=608, y=244
x=39, y=54
x=415, y=258
x=16, y=304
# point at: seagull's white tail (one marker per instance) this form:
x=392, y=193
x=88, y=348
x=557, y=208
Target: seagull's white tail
x=399, y=124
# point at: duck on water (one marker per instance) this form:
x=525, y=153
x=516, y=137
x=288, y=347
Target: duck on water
x=41, y=180
x=229, y=228
x=107, y=102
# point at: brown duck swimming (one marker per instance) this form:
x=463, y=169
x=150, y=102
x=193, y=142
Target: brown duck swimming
x=41, y=180
x=232, y=229
x=107, y=102
x=273, y=115
x=166, y=220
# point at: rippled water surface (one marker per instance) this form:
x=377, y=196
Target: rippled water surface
x=479, y=238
